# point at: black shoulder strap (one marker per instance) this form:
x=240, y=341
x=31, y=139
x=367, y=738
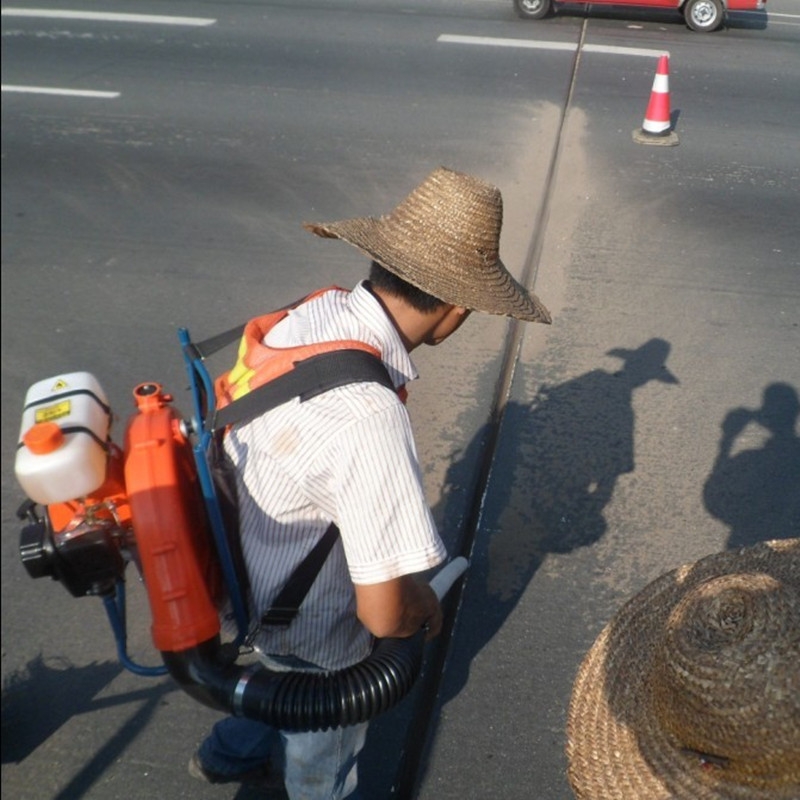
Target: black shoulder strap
x=310, y=377
x=285, y=606
x=214, y=343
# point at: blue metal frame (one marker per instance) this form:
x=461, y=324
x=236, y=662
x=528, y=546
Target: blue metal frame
x=115, y=608
x=204, y=406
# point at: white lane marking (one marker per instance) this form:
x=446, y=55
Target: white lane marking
x=48, y=13
x=150, y=19
x=52, y=90
x=535, y=44
x=624, y=51
x=488, y=41
x=771, y=18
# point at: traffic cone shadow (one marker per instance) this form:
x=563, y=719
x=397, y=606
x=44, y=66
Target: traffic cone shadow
x=657, y=125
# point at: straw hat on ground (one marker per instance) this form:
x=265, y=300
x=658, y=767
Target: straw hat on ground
x=444, y=238
x=692, y=691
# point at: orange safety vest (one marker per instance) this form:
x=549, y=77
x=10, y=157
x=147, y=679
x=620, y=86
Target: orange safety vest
x=258, y=363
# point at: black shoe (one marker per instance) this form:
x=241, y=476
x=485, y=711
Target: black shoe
x=262, y=776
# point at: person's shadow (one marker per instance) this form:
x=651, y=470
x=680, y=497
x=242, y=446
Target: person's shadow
x=554, y=471
x=45, y=695
x=552, y=474
x=755, y=490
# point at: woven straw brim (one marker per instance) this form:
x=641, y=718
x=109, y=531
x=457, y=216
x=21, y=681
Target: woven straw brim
x=444, y=238
x=619, y=747
x=439, y=271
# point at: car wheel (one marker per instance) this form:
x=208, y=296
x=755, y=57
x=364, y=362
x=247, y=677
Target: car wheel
x=533, y=9
x=703, y=15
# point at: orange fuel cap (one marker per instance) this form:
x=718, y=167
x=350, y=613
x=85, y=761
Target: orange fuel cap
x=43, y=438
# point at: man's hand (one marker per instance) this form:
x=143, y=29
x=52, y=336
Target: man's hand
x=399, y=608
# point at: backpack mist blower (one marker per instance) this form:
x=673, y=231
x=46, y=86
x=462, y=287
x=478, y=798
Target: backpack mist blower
x=93, y=507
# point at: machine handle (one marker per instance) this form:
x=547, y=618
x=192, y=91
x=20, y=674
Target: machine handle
x=442, y=581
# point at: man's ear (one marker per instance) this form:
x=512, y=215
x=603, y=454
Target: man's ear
x=457, y=316
x=449, y=310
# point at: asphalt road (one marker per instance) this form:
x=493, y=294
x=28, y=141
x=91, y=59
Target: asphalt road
x=174, y=198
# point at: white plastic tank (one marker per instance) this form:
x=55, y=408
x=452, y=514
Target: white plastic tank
x=62, y=453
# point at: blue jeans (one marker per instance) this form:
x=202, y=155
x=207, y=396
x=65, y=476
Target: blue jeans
x=320, y=765
x=317, y=766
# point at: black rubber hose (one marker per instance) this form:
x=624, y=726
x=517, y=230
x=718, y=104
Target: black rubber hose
x=300, y=701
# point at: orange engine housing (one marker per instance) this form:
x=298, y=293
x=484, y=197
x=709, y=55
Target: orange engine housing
x=109, y=502
x=173, y=539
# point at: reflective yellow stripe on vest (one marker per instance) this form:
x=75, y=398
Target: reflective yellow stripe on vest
x=258, y=363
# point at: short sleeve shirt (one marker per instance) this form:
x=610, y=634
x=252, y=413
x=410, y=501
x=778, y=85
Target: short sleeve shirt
x=345, y=456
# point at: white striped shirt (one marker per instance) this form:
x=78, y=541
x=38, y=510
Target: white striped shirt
x=348, y=456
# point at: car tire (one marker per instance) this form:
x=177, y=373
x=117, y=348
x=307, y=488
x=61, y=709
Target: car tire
x=533, y=9
x=703, y=15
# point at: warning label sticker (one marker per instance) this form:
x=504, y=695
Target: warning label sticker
x=57, y=411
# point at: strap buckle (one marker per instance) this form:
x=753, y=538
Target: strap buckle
x=277, y=615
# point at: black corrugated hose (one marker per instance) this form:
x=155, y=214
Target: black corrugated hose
x=300, y=701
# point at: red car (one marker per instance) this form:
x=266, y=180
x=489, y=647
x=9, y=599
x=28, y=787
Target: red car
x=700, y=15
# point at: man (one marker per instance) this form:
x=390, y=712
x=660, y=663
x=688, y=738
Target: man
x=348, y=456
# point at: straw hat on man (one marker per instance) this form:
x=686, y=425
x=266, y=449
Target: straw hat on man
x=444, y=238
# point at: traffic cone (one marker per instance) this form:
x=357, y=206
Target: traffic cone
x=657, y=126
